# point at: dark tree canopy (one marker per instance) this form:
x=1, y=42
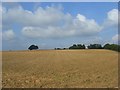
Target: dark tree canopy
x=78, y=46
x=33, y=47
x=114, y=47
x=95, y=46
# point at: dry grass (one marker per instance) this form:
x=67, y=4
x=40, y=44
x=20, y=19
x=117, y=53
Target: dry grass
x=60, y=68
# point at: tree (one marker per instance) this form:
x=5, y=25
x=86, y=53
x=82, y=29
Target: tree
x=95, y=46
x=78, y=46
x=107, y=46
x=83, y=46
x=114, y=47
x=33, y=47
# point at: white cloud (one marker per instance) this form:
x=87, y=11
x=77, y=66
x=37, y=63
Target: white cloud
x=0, y=36
x=81, y=17
x=40, y=17
x=49, y=32
x=112, y=19
x=0, y=17
x=86, y=26
x=113, y=16
x=116, y=38
x=0, y=7
x=50, y=22
x=8, y=35
x=76, y=28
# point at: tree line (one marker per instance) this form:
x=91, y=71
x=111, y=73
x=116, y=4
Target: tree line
x=108, y=46
x=77, y=46
x=114, y=47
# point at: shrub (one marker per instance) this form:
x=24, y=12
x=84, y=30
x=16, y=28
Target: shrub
x=33, y=47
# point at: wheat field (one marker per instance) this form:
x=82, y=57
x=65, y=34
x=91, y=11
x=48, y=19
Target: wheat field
x=60, y=69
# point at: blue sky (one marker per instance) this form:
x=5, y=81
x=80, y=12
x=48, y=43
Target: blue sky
x=61, y=24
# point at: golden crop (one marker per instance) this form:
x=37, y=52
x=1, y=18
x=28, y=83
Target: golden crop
x=60, y=69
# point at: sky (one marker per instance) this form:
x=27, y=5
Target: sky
x=58, y=24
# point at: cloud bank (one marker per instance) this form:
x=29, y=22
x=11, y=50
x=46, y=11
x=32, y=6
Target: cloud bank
x=116, y=38
x=53, y=22
x=8, y=35
x=111, y=20
x=50, y=22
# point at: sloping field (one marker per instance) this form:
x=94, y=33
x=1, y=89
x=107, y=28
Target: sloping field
x=60, y=68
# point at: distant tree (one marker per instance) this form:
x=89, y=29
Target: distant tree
x=114, y=47
x=84, y=46
x=58, y=48
x=78, y=46
x=95, y=46
x=73, y=47
x=33, y=47
x=107, y=46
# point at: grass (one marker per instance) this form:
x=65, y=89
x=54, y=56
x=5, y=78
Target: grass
x=60, y=69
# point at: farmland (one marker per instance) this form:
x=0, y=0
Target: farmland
x=60, y=69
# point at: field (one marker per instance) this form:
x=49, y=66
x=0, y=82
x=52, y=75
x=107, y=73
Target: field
x=60, y=69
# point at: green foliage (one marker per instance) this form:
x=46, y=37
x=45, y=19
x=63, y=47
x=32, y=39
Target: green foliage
x=95, y=46
x=78, y=46
x=33, y=47
x=114, y=47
